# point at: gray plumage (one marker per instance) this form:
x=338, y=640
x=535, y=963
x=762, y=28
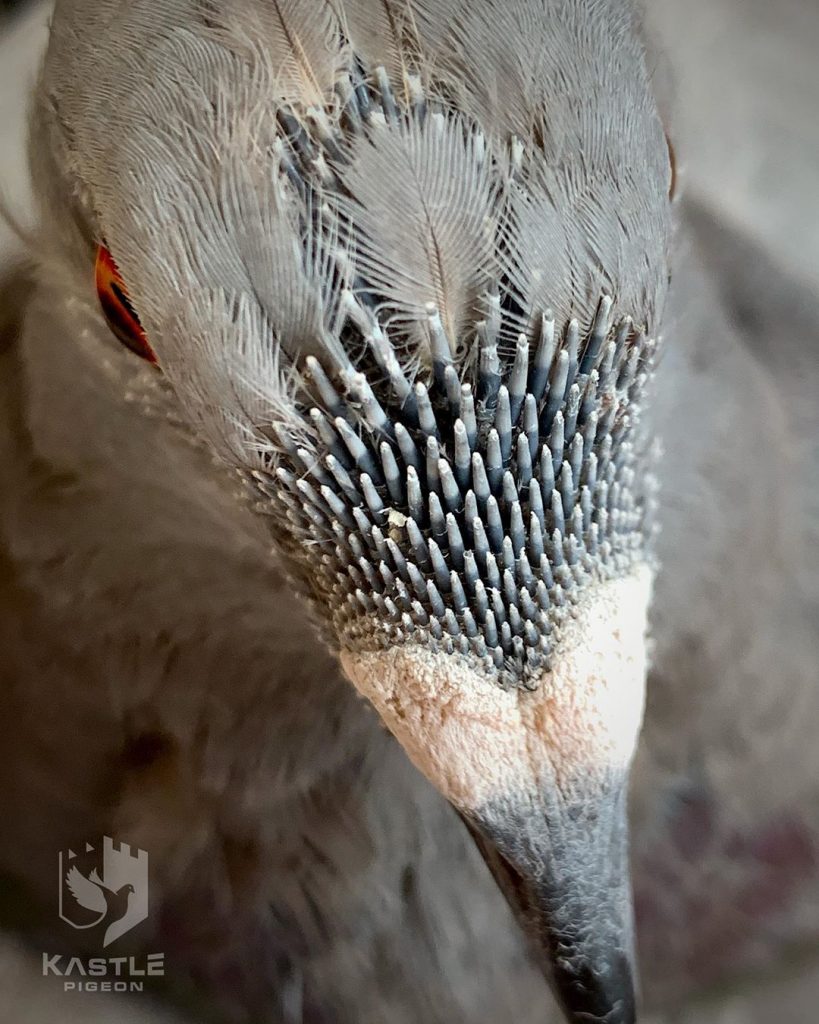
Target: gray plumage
x=423, y=229
x=242, y=395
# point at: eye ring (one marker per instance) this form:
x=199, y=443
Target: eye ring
x=117, y=308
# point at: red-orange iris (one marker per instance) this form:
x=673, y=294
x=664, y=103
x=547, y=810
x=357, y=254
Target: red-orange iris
x=116, y=306
x=672, y=160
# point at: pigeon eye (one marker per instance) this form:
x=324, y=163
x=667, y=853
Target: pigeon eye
x=116, y=307
x=672, y=160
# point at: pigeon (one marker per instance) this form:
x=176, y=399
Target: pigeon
x=403, y=269
x=405, y=272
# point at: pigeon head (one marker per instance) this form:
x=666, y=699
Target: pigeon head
x=403, y=265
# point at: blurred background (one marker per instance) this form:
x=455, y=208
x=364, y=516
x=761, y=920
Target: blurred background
x=740, y=86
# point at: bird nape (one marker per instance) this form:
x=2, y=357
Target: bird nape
x=402, y=265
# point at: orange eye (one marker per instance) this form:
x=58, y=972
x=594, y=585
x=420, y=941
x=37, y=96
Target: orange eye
x=117, y=309
x=672, y=160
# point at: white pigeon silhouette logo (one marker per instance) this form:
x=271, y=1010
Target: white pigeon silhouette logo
x=94, y=895
x=118, y=899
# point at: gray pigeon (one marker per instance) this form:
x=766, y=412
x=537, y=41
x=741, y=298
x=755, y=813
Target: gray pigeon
x=403, y=268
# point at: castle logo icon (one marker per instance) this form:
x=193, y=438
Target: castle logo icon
x=104, y=888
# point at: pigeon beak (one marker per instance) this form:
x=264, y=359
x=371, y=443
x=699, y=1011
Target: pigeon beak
x=563, y=866
x=540, y=776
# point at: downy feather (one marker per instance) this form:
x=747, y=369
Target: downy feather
x=242, y=393
x=301, y=40
x=289, y=197
x=384, y=33
x=424, y=212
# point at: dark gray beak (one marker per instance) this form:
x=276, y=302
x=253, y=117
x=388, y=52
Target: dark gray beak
x=562, y=862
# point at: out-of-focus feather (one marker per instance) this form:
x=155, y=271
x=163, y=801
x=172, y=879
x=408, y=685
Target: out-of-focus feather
x=288, y=247
x=424, y=212
x=383, y=33
x=242, y=389
x=556, y=70
x=568, y=243
x=301, y=39
x=569, y=81
x=497, y=77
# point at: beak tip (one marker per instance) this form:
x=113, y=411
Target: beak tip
x=603, y=994
x=581, y=925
